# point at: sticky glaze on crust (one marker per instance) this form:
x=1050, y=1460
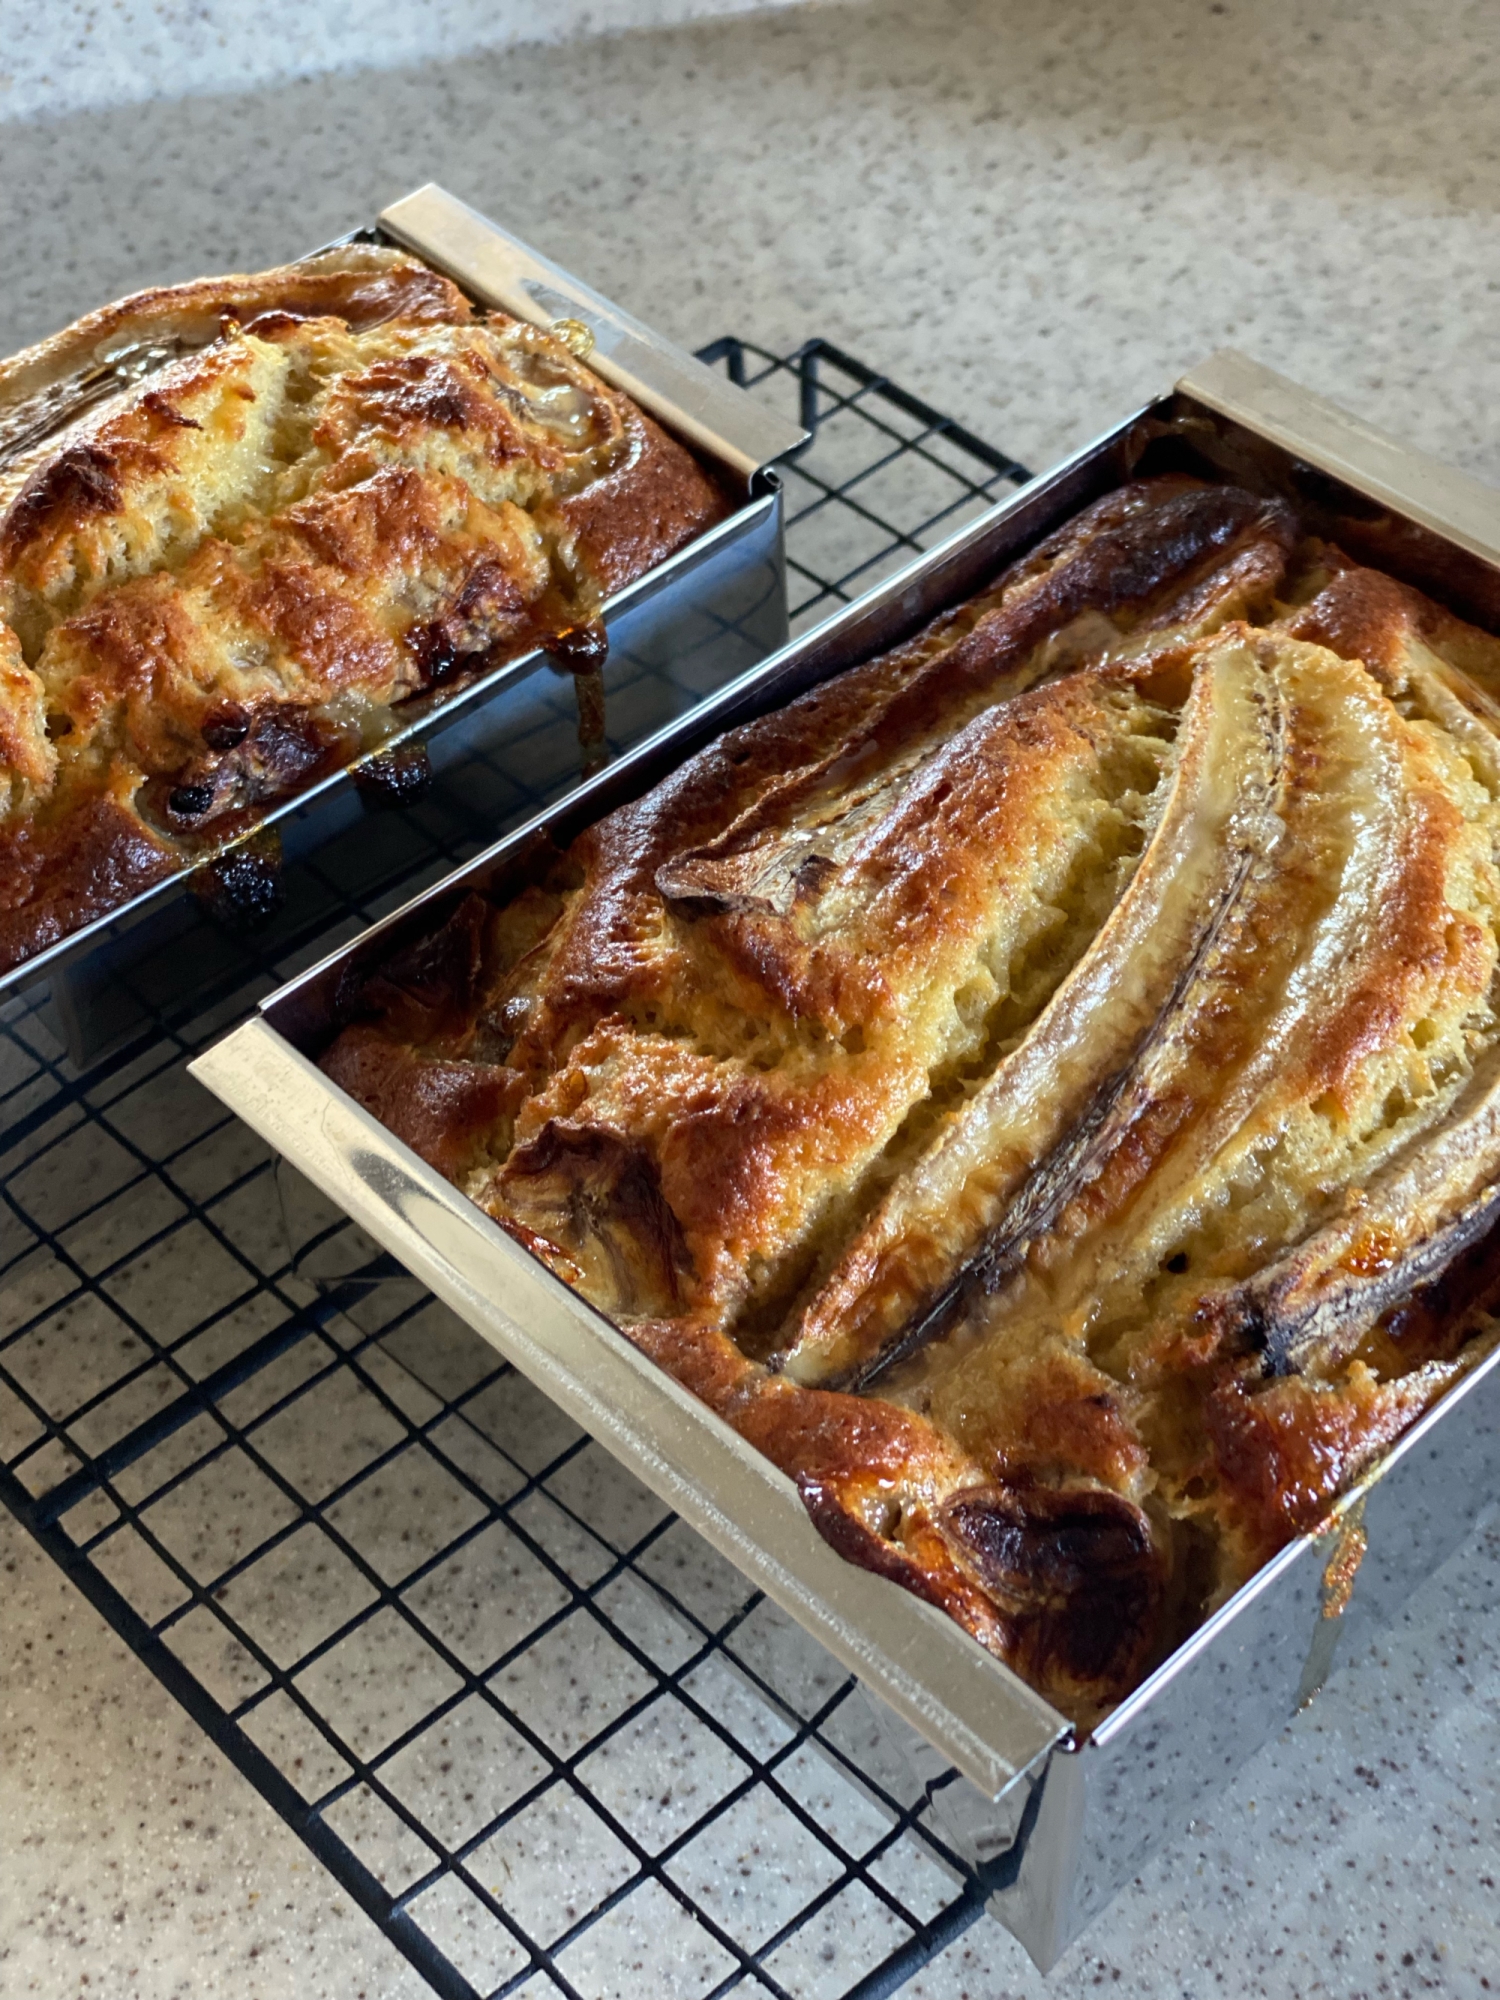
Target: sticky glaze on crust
x=1043, y=1086
x=240, y=520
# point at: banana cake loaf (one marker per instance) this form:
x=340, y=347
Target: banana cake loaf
x=241, y=519
x=1042, y=1087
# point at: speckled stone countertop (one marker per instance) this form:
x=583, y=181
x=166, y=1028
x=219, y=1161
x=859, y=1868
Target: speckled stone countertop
x=74, y=55
x=1035, y=217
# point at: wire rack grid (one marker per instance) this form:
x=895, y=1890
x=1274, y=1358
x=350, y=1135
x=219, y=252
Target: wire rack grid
x=539, y=1732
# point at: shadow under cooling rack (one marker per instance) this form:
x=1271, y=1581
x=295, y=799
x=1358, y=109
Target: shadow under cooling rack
x=546, y=1738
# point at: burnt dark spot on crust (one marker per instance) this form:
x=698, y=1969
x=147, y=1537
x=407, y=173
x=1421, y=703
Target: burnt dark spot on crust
x=435, y=649
x=417, y=392
x=390, y=779
x=83, y=479
x=244, y=887
x=488, y=600
x=1044, y=1541
x=1079, y=1564
x=191, y=801
x=226, y=727
x=581, y=648
x=285, y=746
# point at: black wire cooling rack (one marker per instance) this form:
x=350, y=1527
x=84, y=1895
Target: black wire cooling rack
x=537, y=1730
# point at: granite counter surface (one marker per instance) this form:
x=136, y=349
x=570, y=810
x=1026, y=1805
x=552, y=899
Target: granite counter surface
x=1035, y=217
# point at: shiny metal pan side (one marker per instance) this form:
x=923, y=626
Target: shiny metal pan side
x=1078, y=1813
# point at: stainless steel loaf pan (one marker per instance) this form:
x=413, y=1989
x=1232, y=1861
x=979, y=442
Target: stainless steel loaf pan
x=694, y=622
x=1055, y=1821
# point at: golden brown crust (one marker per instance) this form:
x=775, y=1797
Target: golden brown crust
x=99, y=858
x=648, y=504
x=332, y=487
x=1043, y=1087
x=362, y=284
x=451, y=1113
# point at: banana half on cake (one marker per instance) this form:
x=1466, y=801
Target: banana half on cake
x=241, y=519
x=1043, y=1086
